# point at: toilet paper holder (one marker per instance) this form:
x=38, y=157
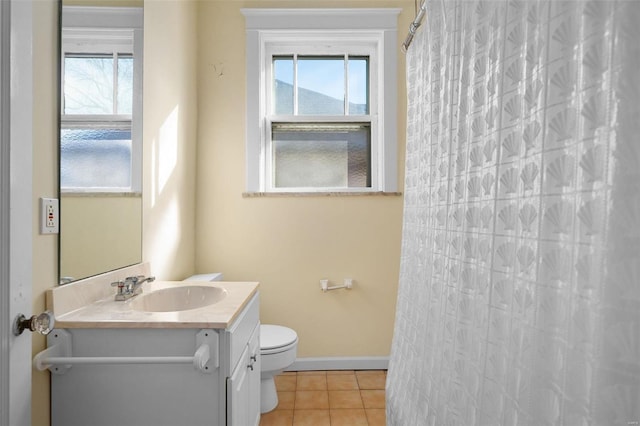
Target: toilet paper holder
x=324, y=285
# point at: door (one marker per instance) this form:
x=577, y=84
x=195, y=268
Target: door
x=15, y=208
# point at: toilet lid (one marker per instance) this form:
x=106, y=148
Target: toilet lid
x=276, y=336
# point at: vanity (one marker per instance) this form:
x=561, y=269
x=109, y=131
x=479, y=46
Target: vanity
x=180, y=353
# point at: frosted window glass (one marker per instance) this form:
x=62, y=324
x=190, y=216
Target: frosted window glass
x=95, y=158
x=125, y=84
x=358, y=86
x=321, y=156
x=88, y=85
x=283, y=85
x=320, y=86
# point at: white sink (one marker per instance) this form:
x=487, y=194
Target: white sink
x=181, y=298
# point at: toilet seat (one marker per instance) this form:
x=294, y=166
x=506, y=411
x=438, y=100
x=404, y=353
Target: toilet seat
x=276, y=338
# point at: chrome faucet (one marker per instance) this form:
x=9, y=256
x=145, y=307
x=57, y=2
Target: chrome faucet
x=130, y=286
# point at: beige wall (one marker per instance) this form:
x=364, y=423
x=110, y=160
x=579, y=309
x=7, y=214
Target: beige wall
x=290, y=243
x=45, y=181
x=169, y=132
x=100, y=233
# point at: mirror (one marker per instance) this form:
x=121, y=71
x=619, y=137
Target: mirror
x=100, y=144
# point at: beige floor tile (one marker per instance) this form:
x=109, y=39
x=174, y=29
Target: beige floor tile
x=370, y=372
x=376, y=416
x=312, y=382
x=311, y=418
x=286, y=400
x=285, y=383
x=348, y=417
x=312, y=400
x=342, y=382
x=345, y=399
x=373, y=398
x=329, y=398
x=312, y=373
x=339, y=372
x=277, y=418
x=371, y=379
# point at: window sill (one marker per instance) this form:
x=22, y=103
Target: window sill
x=320, y=194
x=67, y=193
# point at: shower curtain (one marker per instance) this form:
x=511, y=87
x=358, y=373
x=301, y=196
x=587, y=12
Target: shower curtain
x=519, y=295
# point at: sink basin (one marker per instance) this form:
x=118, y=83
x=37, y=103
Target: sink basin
x=181, y=298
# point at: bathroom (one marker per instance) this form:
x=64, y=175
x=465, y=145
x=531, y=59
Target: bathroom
x=290, y=242
x=197, y=220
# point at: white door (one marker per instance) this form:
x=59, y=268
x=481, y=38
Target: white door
x=16, y=213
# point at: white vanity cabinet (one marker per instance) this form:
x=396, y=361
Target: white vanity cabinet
x=243, y=385
x=149, y=383
x=243, y=373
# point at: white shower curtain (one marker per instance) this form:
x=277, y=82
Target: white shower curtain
x=519, y=296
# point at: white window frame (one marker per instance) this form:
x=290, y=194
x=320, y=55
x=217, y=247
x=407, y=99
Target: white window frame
x=108, y=30
x=373, y=32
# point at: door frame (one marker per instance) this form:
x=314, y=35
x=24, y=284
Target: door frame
x=16, y=211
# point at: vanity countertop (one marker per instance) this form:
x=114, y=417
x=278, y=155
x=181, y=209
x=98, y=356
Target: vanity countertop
x=80, y=305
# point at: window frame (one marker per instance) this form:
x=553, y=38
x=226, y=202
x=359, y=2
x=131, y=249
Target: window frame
x=357, y=32
x=319, y=44
x=95, y=30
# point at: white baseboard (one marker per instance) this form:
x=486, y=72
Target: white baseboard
x=340, y=363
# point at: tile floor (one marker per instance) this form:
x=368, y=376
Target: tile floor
x=329, y=398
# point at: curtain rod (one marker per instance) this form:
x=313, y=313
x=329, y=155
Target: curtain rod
x=415, y=25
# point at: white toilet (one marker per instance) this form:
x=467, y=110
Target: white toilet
x=278, y=350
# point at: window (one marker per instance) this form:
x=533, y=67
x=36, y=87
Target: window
x=321, y=102
x=318, y=119
x=100, y=125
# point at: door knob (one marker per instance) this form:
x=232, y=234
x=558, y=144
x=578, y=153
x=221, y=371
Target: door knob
x=42, y=323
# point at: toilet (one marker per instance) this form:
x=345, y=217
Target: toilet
x=278, y=350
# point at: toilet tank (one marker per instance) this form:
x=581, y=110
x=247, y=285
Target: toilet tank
x=213, y=276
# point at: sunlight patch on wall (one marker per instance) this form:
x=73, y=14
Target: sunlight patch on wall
x=164, y=154
x=167, y=148
x=167, y=235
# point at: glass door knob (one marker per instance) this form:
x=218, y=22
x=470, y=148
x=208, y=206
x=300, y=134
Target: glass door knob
x=42, y=323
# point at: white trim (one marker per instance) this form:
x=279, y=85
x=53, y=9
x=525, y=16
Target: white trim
x=340, y=363
x=82, y=40
x=102, y=17
x=136, y=111
x=17, y=125
x=5, y=224
x=307, y=27
x=97, y=120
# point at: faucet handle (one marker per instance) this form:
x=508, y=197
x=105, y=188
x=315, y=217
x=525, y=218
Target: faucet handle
x=120, y=285
x=139, y=279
